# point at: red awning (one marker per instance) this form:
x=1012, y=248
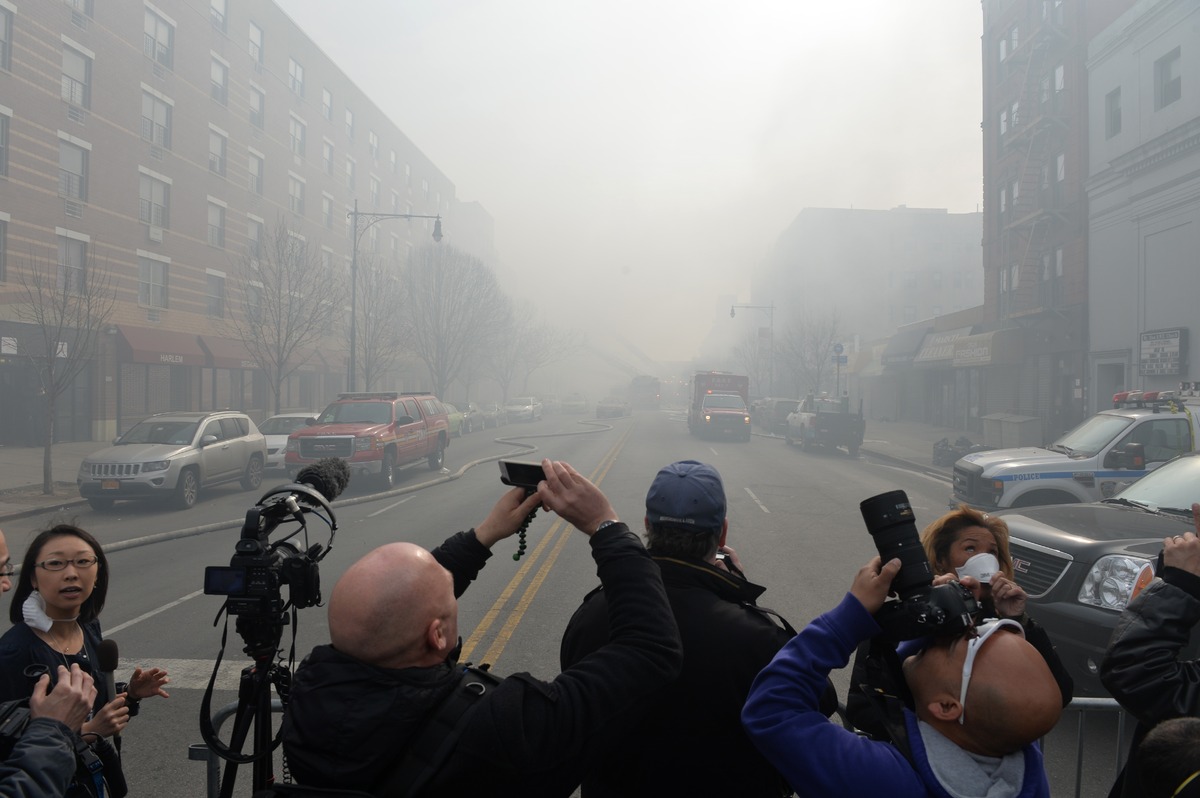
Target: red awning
x=162, y=347
x=226, y=353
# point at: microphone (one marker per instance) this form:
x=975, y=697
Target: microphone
x=328, y=476
x=106, y=656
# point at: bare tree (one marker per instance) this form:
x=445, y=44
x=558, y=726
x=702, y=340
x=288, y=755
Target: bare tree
x=455, y=305
x=806, y=350
x=754, y=359
x=380, y=335
x=288, y=303
x=526, y=346
x=69, y=303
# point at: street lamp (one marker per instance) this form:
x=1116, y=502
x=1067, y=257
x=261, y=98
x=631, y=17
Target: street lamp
x=771, y=356
x=356, y=236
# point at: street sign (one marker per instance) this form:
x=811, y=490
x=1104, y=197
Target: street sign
x=838, y=349
x=841, y=360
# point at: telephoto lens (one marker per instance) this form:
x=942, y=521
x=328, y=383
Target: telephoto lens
x=889, y=519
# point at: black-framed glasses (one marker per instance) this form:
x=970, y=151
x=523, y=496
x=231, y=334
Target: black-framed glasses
x=58, y=565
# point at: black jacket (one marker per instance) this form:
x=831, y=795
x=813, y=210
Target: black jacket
x=41, y=763
x=347, y=723
x=1142, y=669
x=688, y=739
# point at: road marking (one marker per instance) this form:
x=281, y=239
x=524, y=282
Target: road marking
x=714, y=451
x=761, y=506
x=930, y=477
x=152, y=613
x=389, y=507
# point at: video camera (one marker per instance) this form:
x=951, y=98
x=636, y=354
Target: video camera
x=921, y=610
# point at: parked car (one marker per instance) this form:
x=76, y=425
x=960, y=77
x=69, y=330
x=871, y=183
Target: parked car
x=454, y=417
x=472, y=417
x=277, y=429
x=574, y=403
x=523, y=408
x=1081, y=564
x=613, y=407
x=173, y=456
x=551, y=404
x=494, y=415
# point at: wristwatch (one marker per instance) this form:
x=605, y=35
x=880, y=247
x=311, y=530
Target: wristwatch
x=605, y=524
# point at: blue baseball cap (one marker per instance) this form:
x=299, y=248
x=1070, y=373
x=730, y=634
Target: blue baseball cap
x=688, y=492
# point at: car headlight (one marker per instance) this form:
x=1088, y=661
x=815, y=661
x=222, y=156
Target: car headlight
x=1114, y=580
x=156, y=465
x=363, y=444
x=293, y=445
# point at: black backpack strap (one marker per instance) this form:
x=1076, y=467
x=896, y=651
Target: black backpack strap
x=886, y=695
x=437, y=739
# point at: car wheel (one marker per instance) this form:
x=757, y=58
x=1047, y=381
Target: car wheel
x=853, y=450
x=253, y=477
x=804, y=444
x=101, y=504
x=438, y=457
x=188, y=490
x=387, y=470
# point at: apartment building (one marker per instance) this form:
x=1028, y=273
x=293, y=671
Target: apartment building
x=166, y=142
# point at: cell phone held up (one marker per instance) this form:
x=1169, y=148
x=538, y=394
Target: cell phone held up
x=521, y=475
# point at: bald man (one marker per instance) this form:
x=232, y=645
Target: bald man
x=973, y=741
x=359, y=704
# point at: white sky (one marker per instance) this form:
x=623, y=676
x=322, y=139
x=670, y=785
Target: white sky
x=640, y=158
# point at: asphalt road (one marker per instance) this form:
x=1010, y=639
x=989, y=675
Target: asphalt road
x=794, y=521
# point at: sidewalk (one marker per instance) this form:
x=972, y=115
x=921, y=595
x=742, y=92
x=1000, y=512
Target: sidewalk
x=906, y=442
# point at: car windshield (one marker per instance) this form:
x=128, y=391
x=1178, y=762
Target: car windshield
x=357, y=412
x=1169, y=487
x=281, y=425
x=725, y=401
x=1091, y=436
x=179, y=432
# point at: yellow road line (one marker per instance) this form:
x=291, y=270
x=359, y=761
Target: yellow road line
x=518, y=612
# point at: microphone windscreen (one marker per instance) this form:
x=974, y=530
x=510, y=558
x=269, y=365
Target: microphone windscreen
x=328, y=476
x=106, y=653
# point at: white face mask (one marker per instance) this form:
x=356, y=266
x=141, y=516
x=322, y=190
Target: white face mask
x=982, y=566
x=34, y=611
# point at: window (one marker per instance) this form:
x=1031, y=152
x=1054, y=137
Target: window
x=296, y=77
x=156, y=120
x=1003, y=200
x=350, y=124
x=3, y=248
x=215, y=290
x=258, y=104
x=1016, y=110
x=425, y=190
x=327, y=156
x=217, y=144
x=72, y=171
x=6, y=26
x=154, y=201
x=374, y=191
x=3, y=145
x=395, y=202
x=1003, y=49
x=373, y=145
x=1058, y=262
x=254, y=304
x=219, y=13
x=76, y=77
x=220, y=81
x=255, y=44
x=1016, y=189
x=1060, y=82
x=1015, y=272
x=407, y=175
x=255, y=167
x=254, y=238
x=1003, y=122
x=1045, y=89
x=297, y=136
x=1061, y=165
x=1046, y=273
x=326, y=104
x=392, y=158
x=295, y=194
x=350, y=170
x=1168, y=84
x=1013, y=36
x=158, y=44
x=327, y=259
x=1112, y=113
x=216, y=225
x=327, y=211
x=152, y=283
x=72, y=260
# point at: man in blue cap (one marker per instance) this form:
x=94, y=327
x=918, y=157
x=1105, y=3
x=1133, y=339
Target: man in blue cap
x=689, y=739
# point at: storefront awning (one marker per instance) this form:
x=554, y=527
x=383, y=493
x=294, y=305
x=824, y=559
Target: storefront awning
x=903, y=347
x=162, y=347
x=225, y=353
x=937, y=349
x=996, y=348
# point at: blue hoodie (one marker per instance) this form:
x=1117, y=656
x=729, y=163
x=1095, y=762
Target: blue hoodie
x=821, y=758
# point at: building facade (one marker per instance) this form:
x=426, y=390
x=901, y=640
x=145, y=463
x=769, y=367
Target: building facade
x=165, y=142
x=1144, y=198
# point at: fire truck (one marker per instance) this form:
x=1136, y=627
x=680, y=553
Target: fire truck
x=719, y=405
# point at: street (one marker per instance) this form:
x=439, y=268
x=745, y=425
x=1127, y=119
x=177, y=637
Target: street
x=793, y=515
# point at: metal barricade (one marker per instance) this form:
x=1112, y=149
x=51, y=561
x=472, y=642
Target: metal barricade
x=200, y=752
x=1085, y=707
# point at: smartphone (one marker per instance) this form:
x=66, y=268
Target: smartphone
x=521, y=475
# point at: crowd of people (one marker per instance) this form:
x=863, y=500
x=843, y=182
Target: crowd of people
x=674, y=680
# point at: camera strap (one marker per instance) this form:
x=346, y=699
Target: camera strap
x=883, y=691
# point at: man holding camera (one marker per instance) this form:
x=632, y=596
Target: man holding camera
x=671, y=741
x=363, y=704
x=979, y=704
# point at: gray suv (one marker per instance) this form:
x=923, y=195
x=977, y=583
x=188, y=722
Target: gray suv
x=173, y=456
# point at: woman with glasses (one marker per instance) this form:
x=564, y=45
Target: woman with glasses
x=55, y=615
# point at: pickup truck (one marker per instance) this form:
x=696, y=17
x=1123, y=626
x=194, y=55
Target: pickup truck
x=1093, y=461
x=375, y=433
x=821, y=421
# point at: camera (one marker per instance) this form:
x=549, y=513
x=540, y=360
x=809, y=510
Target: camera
x=920, y=609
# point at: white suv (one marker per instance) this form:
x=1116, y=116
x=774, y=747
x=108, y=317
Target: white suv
x=173, y=456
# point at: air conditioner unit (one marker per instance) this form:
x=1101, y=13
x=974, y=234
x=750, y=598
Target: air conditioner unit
x=156, y=153
x=76, y=114
x=152, y=314
x=156, y=234
x=79, y=20
x=73, y=209
x=159, y=71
